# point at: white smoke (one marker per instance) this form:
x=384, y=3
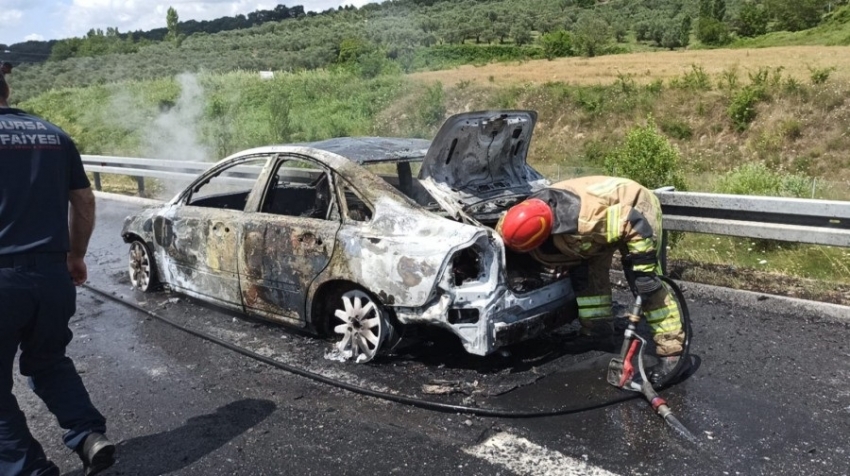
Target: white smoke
x=173, y=135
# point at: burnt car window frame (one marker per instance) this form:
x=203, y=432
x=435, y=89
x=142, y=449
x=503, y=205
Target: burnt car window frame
x=186, y=195
x=343, y=211
x=332, y=214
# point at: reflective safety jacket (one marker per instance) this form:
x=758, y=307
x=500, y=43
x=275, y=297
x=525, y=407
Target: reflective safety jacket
x=592, y=215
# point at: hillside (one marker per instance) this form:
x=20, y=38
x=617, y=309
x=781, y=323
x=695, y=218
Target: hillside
x=405, y=35
x=796, y=123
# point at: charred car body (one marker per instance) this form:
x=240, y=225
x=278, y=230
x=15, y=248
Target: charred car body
x=341, y=238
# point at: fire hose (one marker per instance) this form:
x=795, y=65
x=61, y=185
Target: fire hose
x=622, y=372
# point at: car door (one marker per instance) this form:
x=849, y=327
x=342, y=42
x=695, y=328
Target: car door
x=200, y=234
x=289, y=239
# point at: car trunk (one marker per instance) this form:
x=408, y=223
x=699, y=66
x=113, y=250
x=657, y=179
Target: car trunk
x=475, y=169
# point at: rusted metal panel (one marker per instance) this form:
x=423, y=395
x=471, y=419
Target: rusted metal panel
x=279, y=260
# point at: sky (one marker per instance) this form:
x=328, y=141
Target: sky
x=23, y=20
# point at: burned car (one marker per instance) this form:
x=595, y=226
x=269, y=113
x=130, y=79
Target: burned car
x=343, y=238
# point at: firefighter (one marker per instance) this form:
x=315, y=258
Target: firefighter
x=579, y=224
x=42, y=250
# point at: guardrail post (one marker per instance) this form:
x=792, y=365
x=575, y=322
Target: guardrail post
x=141, y=182
x=97, y=185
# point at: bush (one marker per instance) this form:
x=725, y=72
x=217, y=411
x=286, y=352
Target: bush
x=430, y=108
x=742, y=110
x=758, y=179
x=557, y=44
x=712, y=32
x=820, y=75
x=697, y=79
x=648, y=158
x=352, y=48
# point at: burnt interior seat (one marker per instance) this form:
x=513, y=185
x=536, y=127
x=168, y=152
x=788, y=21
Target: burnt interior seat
x=228, y=201
x=300, y=201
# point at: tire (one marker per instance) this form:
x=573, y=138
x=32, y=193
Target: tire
x=361, y=324
x=142, y=267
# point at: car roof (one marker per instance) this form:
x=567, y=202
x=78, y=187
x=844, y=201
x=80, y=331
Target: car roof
x=363, y=150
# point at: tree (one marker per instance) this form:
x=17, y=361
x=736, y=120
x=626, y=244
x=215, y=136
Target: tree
x=502, y=28
x=712, y=32
x=171, y=22
x=620, y=31
x=643, y=31
x=752, y=20
x=521, y=33
x=657, y=33
x=671, y=38
x=350, y=49
x=719, y=10
x=557, y=44
x=795, y=15
x=710, y=27
x=591, y=35
x=685, y=31
x=715, y=9
x=65, y=49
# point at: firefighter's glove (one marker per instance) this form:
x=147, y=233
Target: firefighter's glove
x=647, y=285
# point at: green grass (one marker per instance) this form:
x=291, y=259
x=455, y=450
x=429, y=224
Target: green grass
x=230, y=112
x=824, y=263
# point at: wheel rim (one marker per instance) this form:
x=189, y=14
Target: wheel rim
x=140, y=266
x=362, y=328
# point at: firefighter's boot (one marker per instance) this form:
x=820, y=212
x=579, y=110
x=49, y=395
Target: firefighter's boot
x=669, y=347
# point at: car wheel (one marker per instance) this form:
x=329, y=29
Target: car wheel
x=142, y=267
x=361, y=324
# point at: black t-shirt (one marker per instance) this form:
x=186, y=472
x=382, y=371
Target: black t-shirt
x=39, y=164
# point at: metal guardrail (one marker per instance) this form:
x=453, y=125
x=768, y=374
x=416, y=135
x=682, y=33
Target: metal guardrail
x=799, y=220
x=140, y=168
x=822, y=222
x=172, y=170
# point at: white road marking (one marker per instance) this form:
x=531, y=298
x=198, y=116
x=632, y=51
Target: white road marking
x=523, y=457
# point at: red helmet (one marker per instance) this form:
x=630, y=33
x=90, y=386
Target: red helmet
x=526, y=225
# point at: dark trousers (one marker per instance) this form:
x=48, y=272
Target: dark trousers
x=36, y=303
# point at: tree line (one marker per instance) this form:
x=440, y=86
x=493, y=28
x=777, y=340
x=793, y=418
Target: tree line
x=97, y=42
x=410, y=35
x=664, y=23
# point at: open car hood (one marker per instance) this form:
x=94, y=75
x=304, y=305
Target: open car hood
x=481, y=156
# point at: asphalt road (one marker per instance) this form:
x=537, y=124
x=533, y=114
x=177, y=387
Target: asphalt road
x=770, y=394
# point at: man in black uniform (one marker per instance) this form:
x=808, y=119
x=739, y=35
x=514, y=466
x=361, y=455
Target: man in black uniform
x=41, y=259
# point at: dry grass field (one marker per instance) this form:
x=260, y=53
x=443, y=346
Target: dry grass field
x=646, y=67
